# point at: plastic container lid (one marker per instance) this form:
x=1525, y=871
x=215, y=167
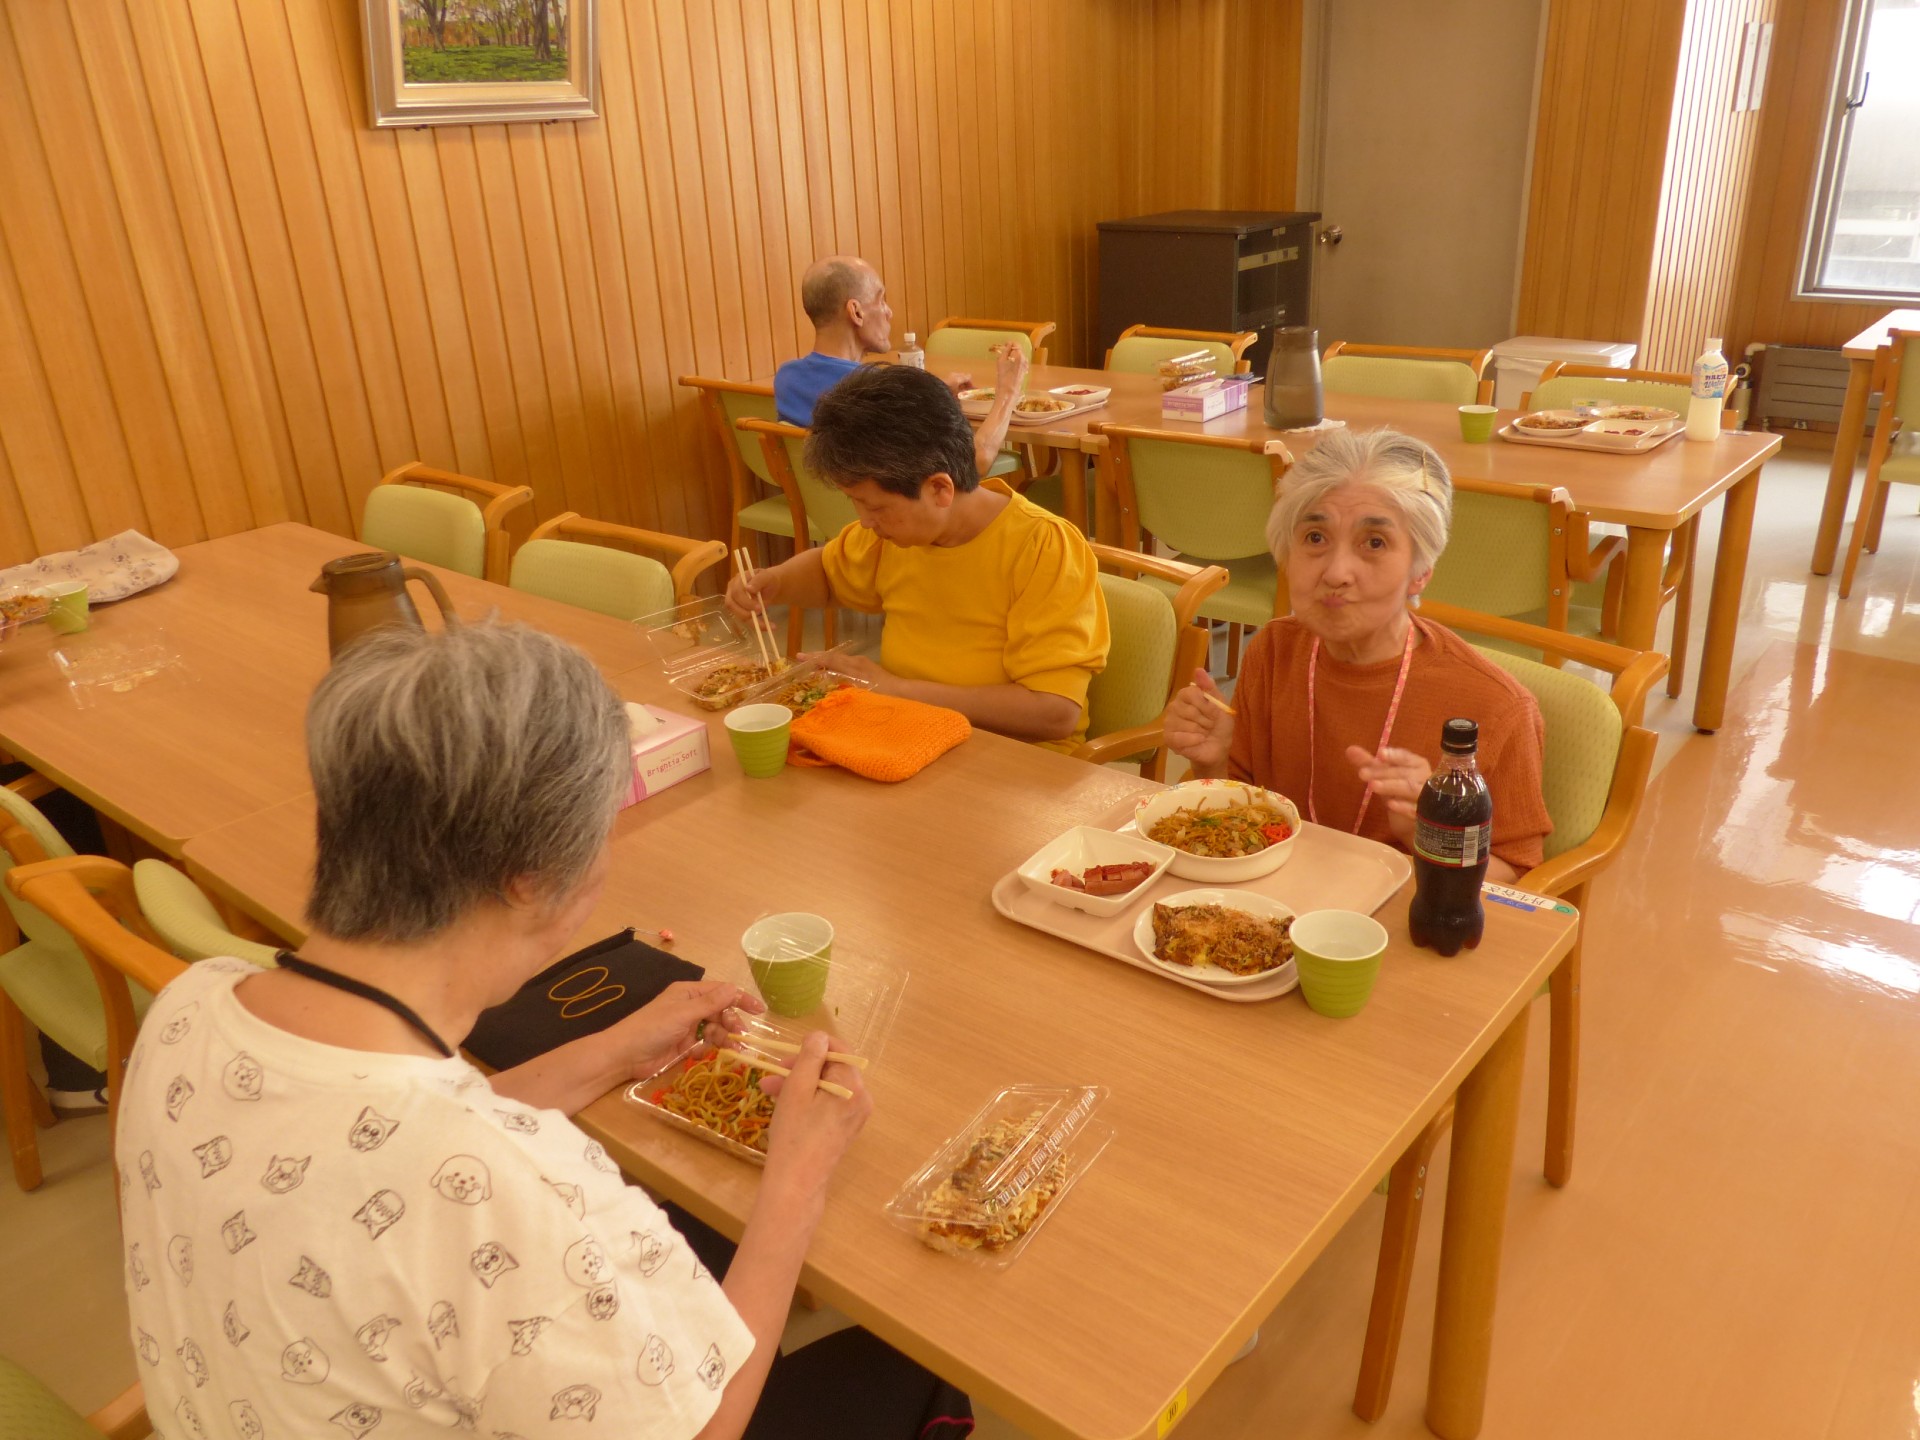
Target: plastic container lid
x=96, y=666
x=987, y=1191
x=695, y=634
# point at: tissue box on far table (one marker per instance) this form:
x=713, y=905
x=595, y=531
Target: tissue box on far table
x=1205, y=399
x=675, y=750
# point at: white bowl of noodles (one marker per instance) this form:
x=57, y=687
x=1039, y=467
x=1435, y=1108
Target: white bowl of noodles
x=1215, y=829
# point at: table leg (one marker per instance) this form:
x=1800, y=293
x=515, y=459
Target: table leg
x=1723, y=605
x=1640, y=595
x=1846, y=450
x=1486, y=1114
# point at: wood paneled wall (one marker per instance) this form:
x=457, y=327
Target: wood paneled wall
x=1703, y=207
x=1806, y=39
x=224, y=300
x=1600, y=151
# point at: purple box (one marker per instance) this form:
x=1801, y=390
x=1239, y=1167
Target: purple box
x=677, y=751
x=1205, y=399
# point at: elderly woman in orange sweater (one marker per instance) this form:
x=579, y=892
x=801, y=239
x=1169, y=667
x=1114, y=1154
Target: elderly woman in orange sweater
x=1340, y=705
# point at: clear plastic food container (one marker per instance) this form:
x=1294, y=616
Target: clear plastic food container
x=806, y=684
x=96, y=666
x=985, y=1193
x=709, y=653
x=708, y=1097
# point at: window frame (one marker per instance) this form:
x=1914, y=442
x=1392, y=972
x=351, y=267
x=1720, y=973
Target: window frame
x=1824, y=201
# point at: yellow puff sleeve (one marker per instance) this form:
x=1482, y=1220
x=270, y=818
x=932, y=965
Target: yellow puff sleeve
x=852, y=563
x=1057, y=636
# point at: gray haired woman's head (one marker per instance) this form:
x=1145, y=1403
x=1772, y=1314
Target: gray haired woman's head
x=446, y=766
x=1408, y=471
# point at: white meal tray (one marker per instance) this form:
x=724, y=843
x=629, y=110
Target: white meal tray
x=1328, y=870
x=977, y=410
x=1579, y=440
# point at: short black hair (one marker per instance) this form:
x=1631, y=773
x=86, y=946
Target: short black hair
x=894, y=425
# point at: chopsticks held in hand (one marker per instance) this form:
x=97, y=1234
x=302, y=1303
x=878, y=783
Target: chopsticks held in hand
x=787, y=1047
x=762, y=627
x=1214, y=699
x=755, y=1063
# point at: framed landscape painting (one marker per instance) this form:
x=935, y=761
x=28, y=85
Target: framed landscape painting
x=473, y=62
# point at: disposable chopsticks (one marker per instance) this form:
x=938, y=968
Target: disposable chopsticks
x=756, y=1063
x=769, y=647
x=1212, y=698
x=787, y=1047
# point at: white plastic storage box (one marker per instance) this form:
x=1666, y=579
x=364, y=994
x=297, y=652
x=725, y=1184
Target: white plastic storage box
x=1517, y=363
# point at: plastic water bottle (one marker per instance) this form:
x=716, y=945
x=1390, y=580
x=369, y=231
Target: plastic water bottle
x=912, y=354
x=1709, y=393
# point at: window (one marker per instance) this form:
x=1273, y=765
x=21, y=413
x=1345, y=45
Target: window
x=1863, y=237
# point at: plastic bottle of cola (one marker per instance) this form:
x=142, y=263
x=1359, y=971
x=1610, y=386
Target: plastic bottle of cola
x=1452, y=830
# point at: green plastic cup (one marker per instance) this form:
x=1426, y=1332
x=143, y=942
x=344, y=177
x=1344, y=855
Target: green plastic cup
x=759, y=734
x=790, y=956
x=69, y=613
x=1338, y=955
x=1476, y=423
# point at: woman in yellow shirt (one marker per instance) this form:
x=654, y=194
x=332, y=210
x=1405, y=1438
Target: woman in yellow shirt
x=992, y=605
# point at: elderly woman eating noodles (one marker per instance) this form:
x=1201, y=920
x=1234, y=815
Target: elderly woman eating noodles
x=1340, y=705
x=333, y=1220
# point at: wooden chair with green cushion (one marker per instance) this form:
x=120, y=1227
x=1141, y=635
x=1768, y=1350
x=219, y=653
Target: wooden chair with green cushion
x=44, y=978
x=592, y=564
x=1208, y=497
x=1516, y=551
x=30, y=1411
x=186, y=921
x=1564, y=384
x=414, y=512
x=1886, y=466
x=1139, y=349
x=817, y=510
x=1408, y=372
x=725, y=403
x=1156, y=646
x=959, y=338
x=92, y=898
x=1598, y=757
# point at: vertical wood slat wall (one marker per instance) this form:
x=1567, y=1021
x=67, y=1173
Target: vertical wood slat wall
x=224, y=300
x=1793, y=116
x=1600, y=150
x=1703, y=209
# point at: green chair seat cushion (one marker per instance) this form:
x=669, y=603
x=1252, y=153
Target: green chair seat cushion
x=429, y=525
x=55, y=990
x=1900, y=469
x=593, y=577
x=1005, y=463
x=1584, y=730
x=1563, y=392
x=1397, y=379
x=1049, y=493
x=964, y=342
x=185, y=919
x=1246, y=598
x=1132, y=690
x=1142, y=354
x=30, y=1411
x=772, y=516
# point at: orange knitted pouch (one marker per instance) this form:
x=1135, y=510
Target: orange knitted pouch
x=879, y=736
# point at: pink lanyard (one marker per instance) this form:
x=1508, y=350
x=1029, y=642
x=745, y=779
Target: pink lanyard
x=1386, y=735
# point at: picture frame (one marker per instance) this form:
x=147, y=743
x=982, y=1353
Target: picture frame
x=480, y=62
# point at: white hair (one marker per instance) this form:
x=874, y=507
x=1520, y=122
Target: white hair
x=1407, y=470
x=447, y=765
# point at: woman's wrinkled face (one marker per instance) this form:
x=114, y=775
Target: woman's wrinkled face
x=1350, y=565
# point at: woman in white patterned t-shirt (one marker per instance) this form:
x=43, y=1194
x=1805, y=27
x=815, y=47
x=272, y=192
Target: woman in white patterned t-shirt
x=331, y=1219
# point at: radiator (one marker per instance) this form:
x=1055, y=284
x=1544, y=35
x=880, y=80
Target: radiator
x=1802, y=387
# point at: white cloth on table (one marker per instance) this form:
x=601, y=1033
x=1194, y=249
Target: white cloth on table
x=320, y=1237
x=114, y=568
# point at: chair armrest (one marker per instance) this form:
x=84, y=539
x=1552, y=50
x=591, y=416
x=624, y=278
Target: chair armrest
x=1584, y=563
x=92, y=897
x=1119, y=744
x=124, y=1417
x=1594, y=854
x=696, y=562
x=32, y=786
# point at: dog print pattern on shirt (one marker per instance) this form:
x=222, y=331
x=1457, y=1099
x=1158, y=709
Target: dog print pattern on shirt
x=322, y=1241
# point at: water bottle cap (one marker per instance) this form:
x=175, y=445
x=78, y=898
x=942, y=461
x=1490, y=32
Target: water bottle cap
x=1461, y=737
x=909, y=339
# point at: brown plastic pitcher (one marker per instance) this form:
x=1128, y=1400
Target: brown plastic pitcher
x=369, y=590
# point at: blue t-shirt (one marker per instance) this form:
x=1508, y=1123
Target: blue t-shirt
x=799, y=384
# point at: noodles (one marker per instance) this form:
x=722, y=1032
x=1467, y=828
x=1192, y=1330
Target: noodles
x=805, y=693
x=720, y=1095
x=723, y=684
x=1230, y=831
x=1233, y=940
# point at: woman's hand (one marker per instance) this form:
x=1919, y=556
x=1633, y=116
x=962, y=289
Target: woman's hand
x=671, y=1021
x=1397, y=777
x=1199, y=729
x=748, y=595
x=812, y=1129
x=1010, y=366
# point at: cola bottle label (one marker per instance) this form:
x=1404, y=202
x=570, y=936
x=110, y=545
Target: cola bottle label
x=1458, y=846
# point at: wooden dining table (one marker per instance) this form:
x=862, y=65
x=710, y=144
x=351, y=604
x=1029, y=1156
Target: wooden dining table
x=1869, y=354
x=1652, y=495
x=1245, y=1133
x=217, y=735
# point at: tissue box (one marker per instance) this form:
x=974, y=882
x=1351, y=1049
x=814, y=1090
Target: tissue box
x=676, y=751
x=1205, y=399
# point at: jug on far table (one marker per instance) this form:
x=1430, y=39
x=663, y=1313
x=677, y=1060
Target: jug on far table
x=369, y=590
